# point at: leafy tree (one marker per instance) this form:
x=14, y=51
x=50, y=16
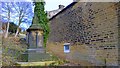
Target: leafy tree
x=43, y=21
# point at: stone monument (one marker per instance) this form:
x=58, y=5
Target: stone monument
x=35, y=35
x=34, y=39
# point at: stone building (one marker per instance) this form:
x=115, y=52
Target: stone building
x=54, y=12
x=92, y=28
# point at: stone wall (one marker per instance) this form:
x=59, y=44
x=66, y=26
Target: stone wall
x=94, y=25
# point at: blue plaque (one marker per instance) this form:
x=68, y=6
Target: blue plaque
x=66, y=47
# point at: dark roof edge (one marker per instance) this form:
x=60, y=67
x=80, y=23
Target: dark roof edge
x=73, y=3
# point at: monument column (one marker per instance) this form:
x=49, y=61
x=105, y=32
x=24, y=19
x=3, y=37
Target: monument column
x=35, y=34
x=35, y=41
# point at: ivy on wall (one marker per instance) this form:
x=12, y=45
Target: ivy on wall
x=42, y=19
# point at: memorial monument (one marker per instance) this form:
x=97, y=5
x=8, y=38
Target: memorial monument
x=34, y=39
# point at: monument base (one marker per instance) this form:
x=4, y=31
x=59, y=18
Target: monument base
x=35, y=55
x=36, y=50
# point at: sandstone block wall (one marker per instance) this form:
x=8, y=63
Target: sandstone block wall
x=94, y=25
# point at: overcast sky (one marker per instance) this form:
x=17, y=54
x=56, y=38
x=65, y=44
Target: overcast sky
x=53, y=4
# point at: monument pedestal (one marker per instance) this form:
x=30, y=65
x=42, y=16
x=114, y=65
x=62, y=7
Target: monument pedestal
x=38, y=57
x=37, y=50
x=35, y=55
x=38, y=54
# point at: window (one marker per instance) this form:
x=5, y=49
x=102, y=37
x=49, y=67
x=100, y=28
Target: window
x=66, y=47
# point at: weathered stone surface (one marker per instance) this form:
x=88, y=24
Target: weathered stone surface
x=35, y=51
x=33, y=40
x=94, y=25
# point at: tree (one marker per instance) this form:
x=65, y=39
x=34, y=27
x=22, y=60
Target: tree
x=20, y=12
x=43, y=21
x=12, y=27
x=24, y=13
x=6, y=10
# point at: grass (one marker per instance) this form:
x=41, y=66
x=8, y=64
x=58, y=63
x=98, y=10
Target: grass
x=11, y=49
x=23, y=58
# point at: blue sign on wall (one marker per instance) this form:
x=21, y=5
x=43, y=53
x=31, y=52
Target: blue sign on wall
x=66, y=47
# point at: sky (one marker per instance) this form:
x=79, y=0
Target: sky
x=50, y=5
x=14, y=13
x=53, y=4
